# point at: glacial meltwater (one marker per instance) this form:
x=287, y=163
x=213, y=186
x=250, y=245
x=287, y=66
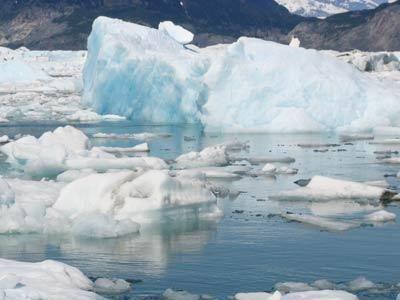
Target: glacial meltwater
x=252, y=247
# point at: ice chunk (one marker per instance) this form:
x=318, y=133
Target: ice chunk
x=170, y=294
x=323, y=284
x=249, y=85
x=210, y=156
x=109, y=286
x=143, y=136
x=133, y=196
x=258, y=296
x=320, y=295
x=46, y=280
x=178, y=33
x=91, y=116
x=138, y=148
x=4, y=139
x=361, y=284
x=269, y=168
x=321, y=222
x=325, y=189
x=255, y=160
x=381, y=216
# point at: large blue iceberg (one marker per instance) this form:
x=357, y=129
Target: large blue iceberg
x=149, y=76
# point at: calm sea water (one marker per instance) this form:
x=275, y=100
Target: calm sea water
x=249, y=251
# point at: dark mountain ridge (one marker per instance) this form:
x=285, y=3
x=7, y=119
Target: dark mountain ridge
x=65, y=24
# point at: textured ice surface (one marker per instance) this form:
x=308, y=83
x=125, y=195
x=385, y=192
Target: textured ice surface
x=251, y=84
x=324, y=189
x=67, y=148
x=50, y=279
x=44, y=280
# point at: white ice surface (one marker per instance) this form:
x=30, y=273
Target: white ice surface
x=178, y=33
x=44, y=280
x=324, y=189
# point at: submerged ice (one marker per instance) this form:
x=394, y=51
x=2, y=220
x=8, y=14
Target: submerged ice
x=148, y=76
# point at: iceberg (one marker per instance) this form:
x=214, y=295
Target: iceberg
x=148, y=76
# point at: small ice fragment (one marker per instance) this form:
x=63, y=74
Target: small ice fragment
x=360, y=284
x=111, y=286
x=323, y=284
x=170, y=294
x=258, y=296
x=287, y=170
x=321, y=222
x=4, y=139
x=320, y=295
x=210, y=156
x=381, y=216
x=269, y=168
x=138, y=148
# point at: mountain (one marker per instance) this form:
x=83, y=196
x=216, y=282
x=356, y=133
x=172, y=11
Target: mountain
x=325, y=8
x=368, y=30
x=65, y=24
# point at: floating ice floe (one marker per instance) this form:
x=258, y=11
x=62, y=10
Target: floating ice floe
x=360, y=284
x=258, y=296
x=208, y=157
x=321, y=222
x=255, y=160
x=90, y=116
x=67, y=148
x=381, y=216
x=325, y=189
x=124, y=58
x=136, y=196
x=103, y=205
x=111, y=286
x=138, y=148
x=52, y=280
x=4, y=139
x=143, y=136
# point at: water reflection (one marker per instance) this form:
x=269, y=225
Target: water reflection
x=147, y=253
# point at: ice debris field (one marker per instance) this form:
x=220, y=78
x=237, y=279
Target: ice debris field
x=106, y=177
